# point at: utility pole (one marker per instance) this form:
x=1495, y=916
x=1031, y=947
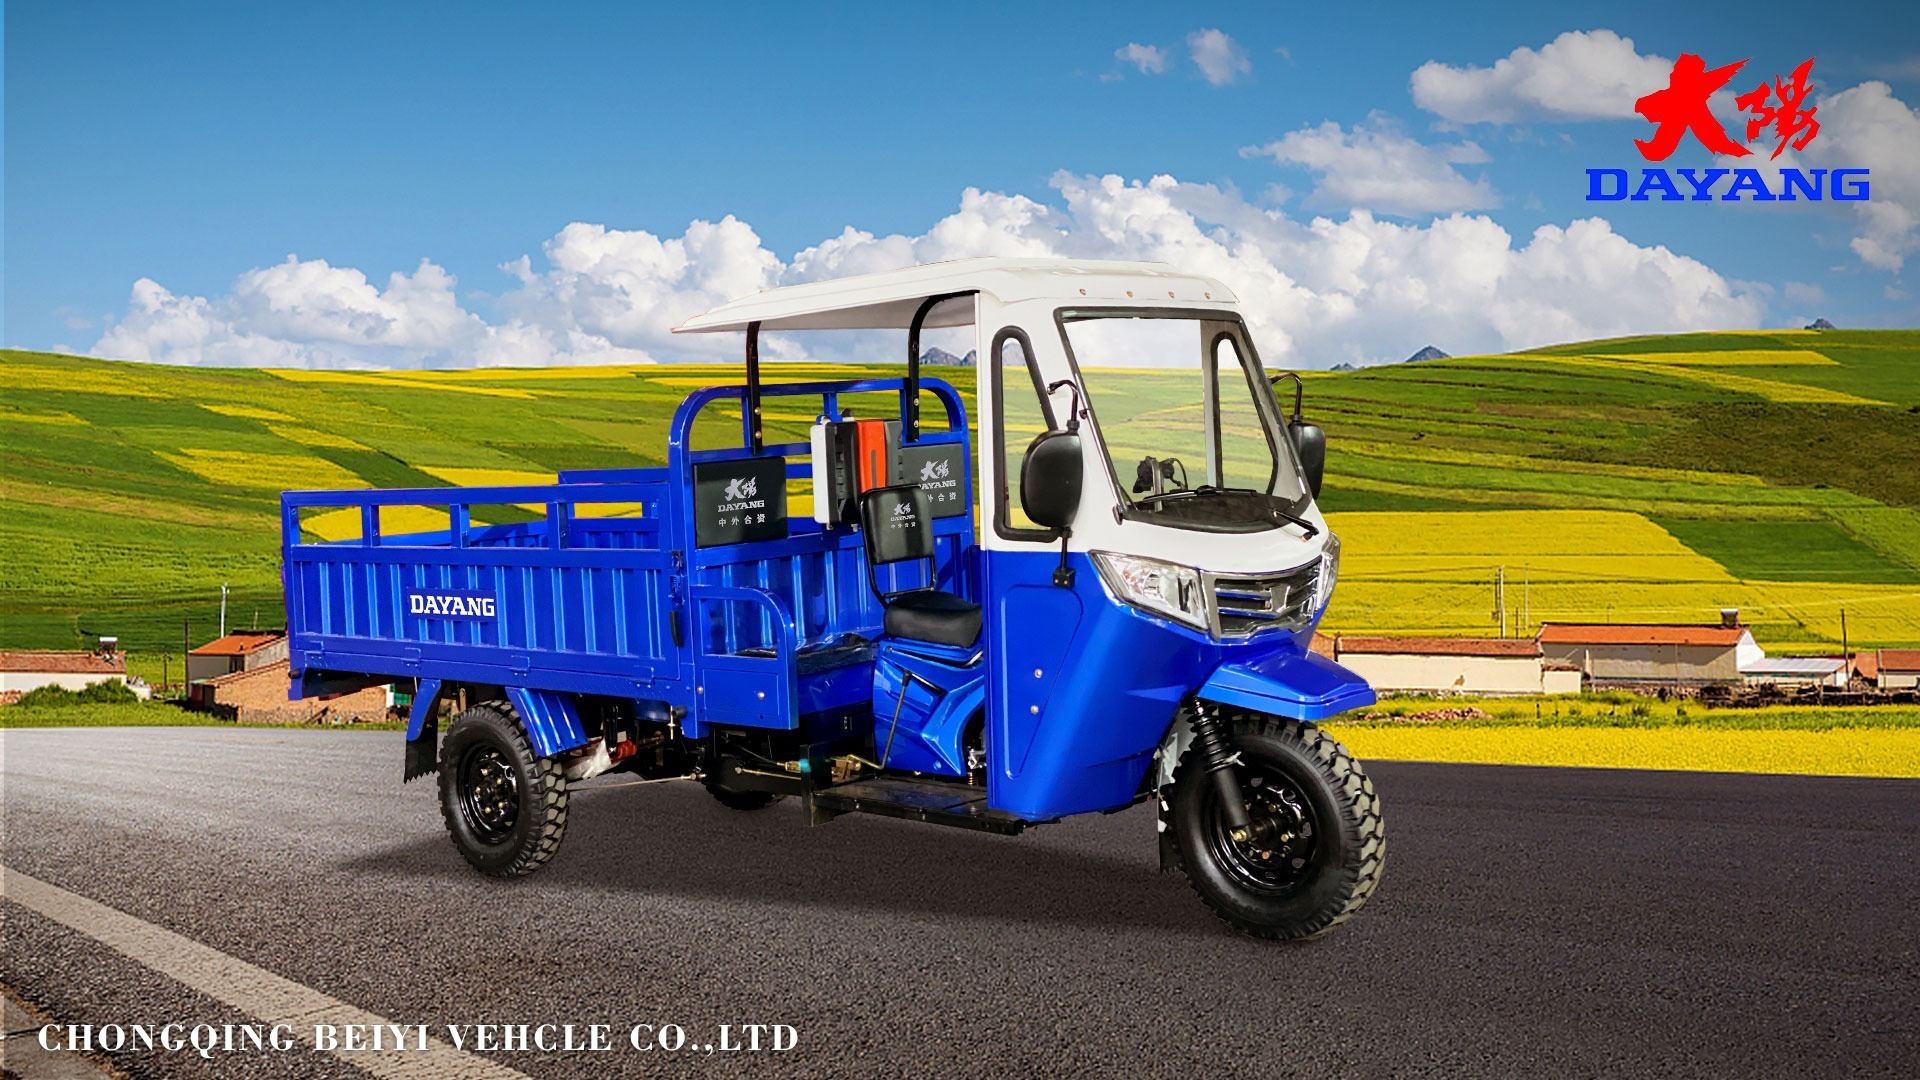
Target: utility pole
x=1846, y=654
x=1500, y=599
x=1526, y=598
x=165, y=670
x=223, y=609
x=186, y=648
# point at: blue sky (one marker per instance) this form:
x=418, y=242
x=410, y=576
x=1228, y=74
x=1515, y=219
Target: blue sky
x=188, y=145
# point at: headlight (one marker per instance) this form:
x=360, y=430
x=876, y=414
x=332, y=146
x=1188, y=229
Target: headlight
x=1329, y=571
x=1160, y=587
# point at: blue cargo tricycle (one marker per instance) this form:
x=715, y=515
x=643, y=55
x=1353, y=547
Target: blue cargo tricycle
x=1109, y=599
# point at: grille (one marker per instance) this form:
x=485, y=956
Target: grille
x=1248, y=605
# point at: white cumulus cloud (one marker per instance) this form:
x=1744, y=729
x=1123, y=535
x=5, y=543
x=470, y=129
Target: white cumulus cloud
x=1150, y=59
x=1220, y=59
x=1867, y=127
x=299, y=314
x=1377, y=167
x=1580, y=75
x=1318, y=291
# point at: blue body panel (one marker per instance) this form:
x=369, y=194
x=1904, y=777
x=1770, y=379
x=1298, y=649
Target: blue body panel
x=925, y=696
x=1083, y=688
x=608, y=593
x=1297, y=685
x=552, y=722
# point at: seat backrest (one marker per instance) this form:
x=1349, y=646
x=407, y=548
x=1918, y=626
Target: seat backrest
x=897, y=525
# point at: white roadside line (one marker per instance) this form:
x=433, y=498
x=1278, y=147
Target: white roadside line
x=255, y=991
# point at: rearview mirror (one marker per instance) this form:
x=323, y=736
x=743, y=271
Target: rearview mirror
x=1050, y=479
x=1309, y=442
x=1310, y=446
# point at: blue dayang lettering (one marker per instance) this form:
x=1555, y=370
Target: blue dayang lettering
x=1748, y=180
x=1794, y=178
x=1701, y=184
x=1844, y=187
x=1840, y=185
x=1656, y=178
x=1599, y=192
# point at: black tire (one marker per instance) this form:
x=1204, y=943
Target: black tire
x=505, y=808
x=1307, y=885
x=744, y=800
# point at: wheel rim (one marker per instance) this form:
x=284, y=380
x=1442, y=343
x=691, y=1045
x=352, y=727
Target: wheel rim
x=489, y=793
x=1274, y=866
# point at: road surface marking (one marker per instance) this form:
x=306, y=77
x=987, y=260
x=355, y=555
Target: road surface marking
x=255, y=991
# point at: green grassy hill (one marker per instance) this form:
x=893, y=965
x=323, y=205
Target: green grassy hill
x=1642, y=478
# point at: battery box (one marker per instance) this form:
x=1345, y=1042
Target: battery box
x=850, y=457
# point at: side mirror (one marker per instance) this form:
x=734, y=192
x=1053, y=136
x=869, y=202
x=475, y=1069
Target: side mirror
x=1309, y=442
x=1310, y=446
x=1050, y=479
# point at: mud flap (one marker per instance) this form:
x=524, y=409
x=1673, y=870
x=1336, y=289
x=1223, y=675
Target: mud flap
x=423, y=731
x=1163, y=825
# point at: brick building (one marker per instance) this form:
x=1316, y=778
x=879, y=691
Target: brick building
x=259, y=696
x=1898, y=669
x=242, y=650
x=1640, y=654
x=21, y=671
x=1455, y=665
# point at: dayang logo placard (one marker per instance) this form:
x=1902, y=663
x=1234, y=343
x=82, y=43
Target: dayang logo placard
x=459, y=604
x=737, y=502
x=939, y=470
x=1776, y=111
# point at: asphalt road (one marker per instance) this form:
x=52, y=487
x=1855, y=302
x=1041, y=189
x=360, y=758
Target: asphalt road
x=1533, y=922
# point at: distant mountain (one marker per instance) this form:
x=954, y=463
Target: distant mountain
x=1821, y=324
x=1428, y=353
x=1343, y=367
x=939, y=357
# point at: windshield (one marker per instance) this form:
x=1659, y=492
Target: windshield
x=1186, y=418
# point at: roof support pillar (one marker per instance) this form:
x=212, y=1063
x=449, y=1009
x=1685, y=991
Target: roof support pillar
x=910, y=391
x=750, y=407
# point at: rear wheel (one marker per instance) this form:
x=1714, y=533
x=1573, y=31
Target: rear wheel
x=1318, y=843
x=505, y=808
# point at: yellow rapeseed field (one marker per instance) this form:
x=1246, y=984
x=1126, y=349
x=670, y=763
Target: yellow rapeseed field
x=254, y=469
x=1840, y=752
x=1732, y=358
x=1581, y=545
x=344, y=524
x=1434, y=573
x=247, y=412
x=1770, y=389
x=369, y=378
x=310, y=437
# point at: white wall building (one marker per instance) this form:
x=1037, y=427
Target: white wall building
x=1491, y=666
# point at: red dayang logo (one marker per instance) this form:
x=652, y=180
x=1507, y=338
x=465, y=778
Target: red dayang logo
x=1775, y=110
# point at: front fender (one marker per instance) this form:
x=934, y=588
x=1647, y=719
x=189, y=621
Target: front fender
x=1290, y=683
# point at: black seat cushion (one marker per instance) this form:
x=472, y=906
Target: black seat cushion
x=939, y=617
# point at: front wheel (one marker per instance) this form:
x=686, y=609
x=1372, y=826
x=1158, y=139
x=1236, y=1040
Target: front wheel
x=505, y=808
x=1318, y=846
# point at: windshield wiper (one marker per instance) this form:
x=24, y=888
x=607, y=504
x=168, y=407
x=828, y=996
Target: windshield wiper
x=1309, y=527
x=1178, y=493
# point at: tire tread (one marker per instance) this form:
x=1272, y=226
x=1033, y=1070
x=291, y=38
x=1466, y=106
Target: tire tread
x=1360, y=814
x=547, y=780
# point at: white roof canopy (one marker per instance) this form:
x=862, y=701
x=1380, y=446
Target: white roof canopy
x=888, y=301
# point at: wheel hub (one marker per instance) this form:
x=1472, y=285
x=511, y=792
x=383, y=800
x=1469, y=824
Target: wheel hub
x=489, y=793
x=1274, y=852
